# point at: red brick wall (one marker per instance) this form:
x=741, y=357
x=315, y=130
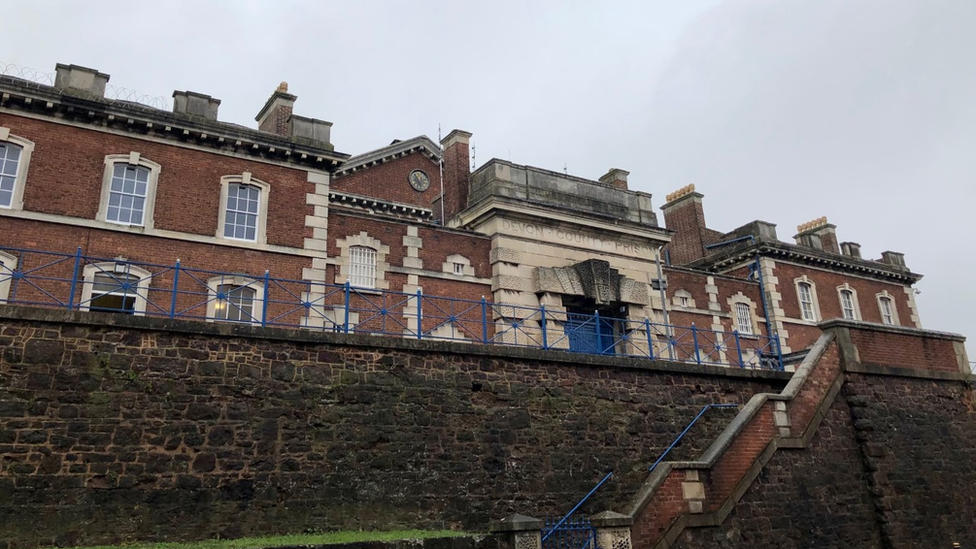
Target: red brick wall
x=389, y=181
x=904, y=350
x=688, y=220
x=457, y=168
x=68, y=165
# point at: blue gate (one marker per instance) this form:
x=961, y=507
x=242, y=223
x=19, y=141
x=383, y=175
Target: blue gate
x=571, y=533
x=589, y=334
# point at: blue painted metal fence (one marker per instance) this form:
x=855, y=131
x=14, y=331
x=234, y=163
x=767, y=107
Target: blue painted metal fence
x=79, y=282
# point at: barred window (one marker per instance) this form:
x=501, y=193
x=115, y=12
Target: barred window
x=9, y=162
x=847, y=305
x=362, y=267
x=241, y=213
x=806, y=301
x=127, y=195
x=743, y=318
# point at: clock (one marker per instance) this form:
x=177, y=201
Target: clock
x=419, y=180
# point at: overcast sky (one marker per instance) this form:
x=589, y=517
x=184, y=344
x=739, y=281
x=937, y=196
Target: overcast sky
x=860, y=110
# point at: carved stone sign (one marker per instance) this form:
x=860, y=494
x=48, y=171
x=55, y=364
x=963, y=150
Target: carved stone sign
x=575, y=238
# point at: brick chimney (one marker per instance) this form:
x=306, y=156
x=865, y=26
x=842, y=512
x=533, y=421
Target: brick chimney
x=196, y=104
x=275, y=116
x=77, y=80
x=818, y=234
x=615, y=178
x=683, y=214
x=457, y=169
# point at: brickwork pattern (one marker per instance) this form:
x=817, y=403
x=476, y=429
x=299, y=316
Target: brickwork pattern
x=110, y=433
x=388, y=181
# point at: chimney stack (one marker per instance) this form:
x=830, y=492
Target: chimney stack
x=818, y=234
x=274, y=116
x=457, y=170
x=684, y=215
x=80, y=80
x=851, y=249
x=195, y=104
x=615, y=178
x=894, y=259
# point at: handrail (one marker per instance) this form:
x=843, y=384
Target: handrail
x=688, y=428
x=577, y=506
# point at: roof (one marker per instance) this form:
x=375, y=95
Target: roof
x=396, y=149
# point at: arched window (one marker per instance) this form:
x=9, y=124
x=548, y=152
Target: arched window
x=235, y=299
x=115, y=288
x=15, y=154
x=362, y=267
x=806, y=296
x=8, y=266
x=886, y=306
x=128, y=190
x=743, y=318
x=243, y=208
x=848, y=302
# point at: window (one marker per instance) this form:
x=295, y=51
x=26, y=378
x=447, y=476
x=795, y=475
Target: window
x=847, y=305
x=806, y=297
x=459, y=269
x=8, y=266
x=241, y=217
x=743, y=318
x=115, y=288
x=683, y=298
x=362, y=267
x=889, y=312
x=127, y=195
x=15, y=153
x=806, y=301
x=128, y=190
x=887, y=316
x=458, y=265
x=234, y=303
x=243, y=208
x=235, y=299
x=9, y=163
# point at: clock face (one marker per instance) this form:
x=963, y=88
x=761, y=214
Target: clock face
x=419, y=180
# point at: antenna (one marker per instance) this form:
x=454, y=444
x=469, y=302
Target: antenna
x=565, y=168
x=474, y=161
x=440, y=168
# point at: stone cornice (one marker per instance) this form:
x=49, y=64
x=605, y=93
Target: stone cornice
x=376, y=205
x=736, y=254
x=420, y=144
x=137, y=119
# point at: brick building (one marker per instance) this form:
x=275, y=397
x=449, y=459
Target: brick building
x=113, y=205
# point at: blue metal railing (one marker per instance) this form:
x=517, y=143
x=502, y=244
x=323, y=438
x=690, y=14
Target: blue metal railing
x=678, y=439
x=75, y=281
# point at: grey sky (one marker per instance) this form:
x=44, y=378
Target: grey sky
x=860, y=110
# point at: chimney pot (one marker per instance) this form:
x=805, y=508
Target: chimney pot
x=80, y=79
x=275, y=116
x=818, y=234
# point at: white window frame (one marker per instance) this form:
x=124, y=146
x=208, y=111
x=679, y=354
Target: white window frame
x=813, y=295
x=8, y=266
x=884, y=295
x=23, y=165
x=214, y=303
x=116, y=267
x=752, y=329
x=451, y=263
x=342, y=272
x=149, y=209
x=262, y=226
x=362, y=267
x=856, y=308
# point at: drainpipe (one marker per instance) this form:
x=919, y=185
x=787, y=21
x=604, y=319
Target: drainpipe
x=762, y=285
x=664, y=302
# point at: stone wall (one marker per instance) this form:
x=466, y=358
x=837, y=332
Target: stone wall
x=117, y=428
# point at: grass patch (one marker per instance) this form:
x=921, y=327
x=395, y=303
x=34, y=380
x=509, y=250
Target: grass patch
x=330, y=538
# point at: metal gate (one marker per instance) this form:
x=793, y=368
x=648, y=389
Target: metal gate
x=569, y=533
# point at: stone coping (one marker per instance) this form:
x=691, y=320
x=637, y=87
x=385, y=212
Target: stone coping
x=307, y=336
x=889, y=329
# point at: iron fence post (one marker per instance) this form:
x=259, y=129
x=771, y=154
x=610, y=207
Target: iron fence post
x=264, y=302
x=779, y=352
x=345, y=322
x=738, y=348
x=694, y=338
x=74, y=279
x=650, y=343
x=176, y=285
x=484, y=320
x=420, y=316
x=599, y=336
x=542, y=321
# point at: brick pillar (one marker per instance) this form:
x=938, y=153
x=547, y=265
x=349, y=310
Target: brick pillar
x=457, y=169
x=683, y=214
x=612, y=530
